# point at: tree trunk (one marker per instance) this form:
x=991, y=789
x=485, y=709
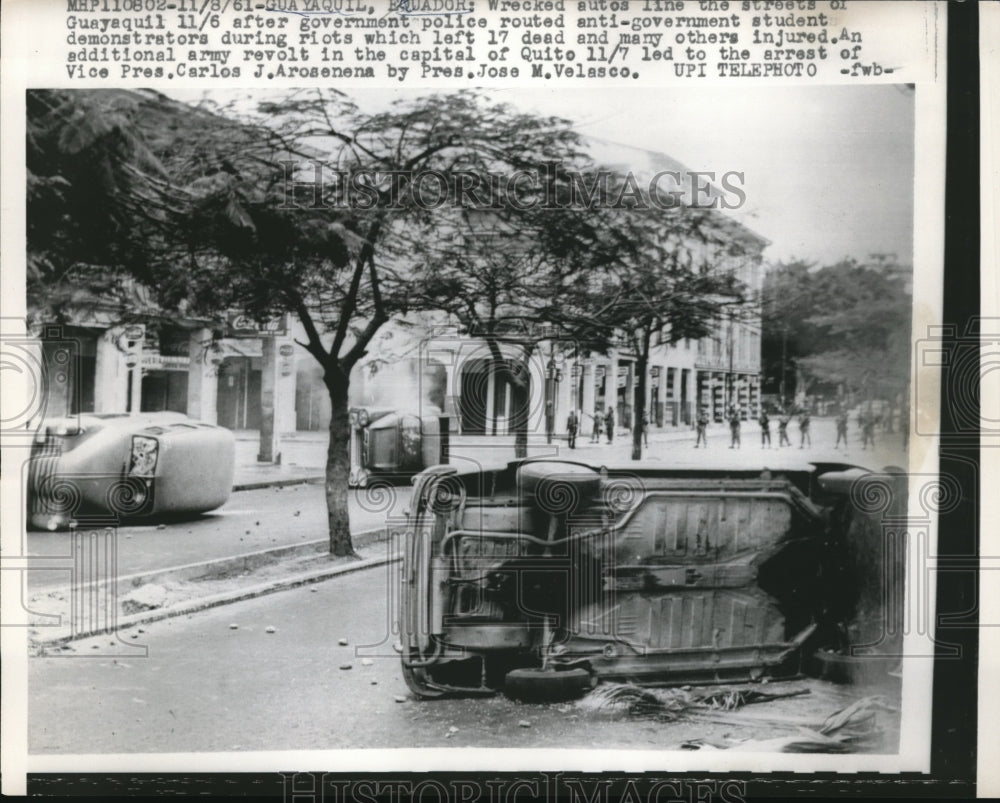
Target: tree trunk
x=520, y=400
x=518, y=376
x=338, y=465
x=641, y=364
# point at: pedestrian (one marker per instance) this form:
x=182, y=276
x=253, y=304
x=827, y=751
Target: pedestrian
x=867, y=429
x=609, y=424
x=783, y=423
x=700, y=424
x=841, y=429
x=645, y=429
x=734, y=428
x=595, y=433
x=765, y=429
x=572, y=423
x=804, y=430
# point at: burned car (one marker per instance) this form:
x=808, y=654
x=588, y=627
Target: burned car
x=546, y=577
x=394, y=444
x=129, y=465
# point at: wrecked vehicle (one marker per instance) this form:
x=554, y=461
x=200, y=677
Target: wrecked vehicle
x=129, y=465
x=394, y=444
x=546, y=577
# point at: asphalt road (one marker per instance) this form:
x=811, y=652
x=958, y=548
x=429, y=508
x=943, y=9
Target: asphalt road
x=249, y=521
x=205, y=686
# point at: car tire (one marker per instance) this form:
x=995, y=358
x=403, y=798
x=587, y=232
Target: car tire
x=546, y=684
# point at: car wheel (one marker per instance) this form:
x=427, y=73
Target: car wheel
x=546, y=684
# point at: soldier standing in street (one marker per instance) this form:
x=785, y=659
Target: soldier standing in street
x=765, y=429
x=595, y=433
x=804, y=430
x=867, y=421
x=701, y=424
x=783, y=423
x=841, y=429
x=572, y=423
x=609, y=424
x=734, y=428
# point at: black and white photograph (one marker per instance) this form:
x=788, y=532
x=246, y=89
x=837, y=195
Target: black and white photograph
x=615, y=438
x=479, y=428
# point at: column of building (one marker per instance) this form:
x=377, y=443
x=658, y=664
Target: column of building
x=203, y=377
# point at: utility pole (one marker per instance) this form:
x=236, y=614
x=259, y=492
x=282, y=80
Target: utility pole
x=731, y=377
x=784, y=351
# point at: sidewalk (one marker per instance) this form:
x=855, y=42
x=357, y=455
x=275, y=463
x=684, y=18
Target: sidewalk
x=303, y=454
x=303, y=459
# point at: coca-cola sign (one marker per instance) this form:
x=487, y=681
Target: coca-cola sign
x=241, y=325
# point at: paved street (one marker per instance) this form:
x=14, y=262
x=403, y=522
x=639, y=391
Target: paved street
x=207, y=687
x=249, y=521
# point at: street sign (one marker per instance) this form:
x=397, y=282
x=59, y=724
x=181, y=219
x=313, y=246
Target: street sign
x=286, y=350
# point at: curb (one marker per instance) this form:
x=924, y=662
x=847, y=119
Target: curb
x=216, y=600
x=244, y=562
x=258, y=484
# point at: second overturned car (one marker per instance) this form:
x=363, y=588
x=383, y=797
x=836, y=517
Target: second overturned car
x=545, y=577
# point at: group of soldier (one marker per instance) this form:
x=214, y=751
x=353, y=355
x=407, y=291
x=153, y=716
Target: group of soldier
x=735, y=422
x=604, y=425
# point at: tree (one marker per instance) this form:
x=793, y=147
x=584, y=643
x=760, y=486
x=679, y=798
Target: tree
x=309, y=206
x=501, y=273
x=88, y=170
x=668, y=283
x=846, y=324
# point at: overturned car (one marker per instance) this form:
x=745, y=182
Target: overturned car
x=545, y=577
x=391, y=444
x=129, y=466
